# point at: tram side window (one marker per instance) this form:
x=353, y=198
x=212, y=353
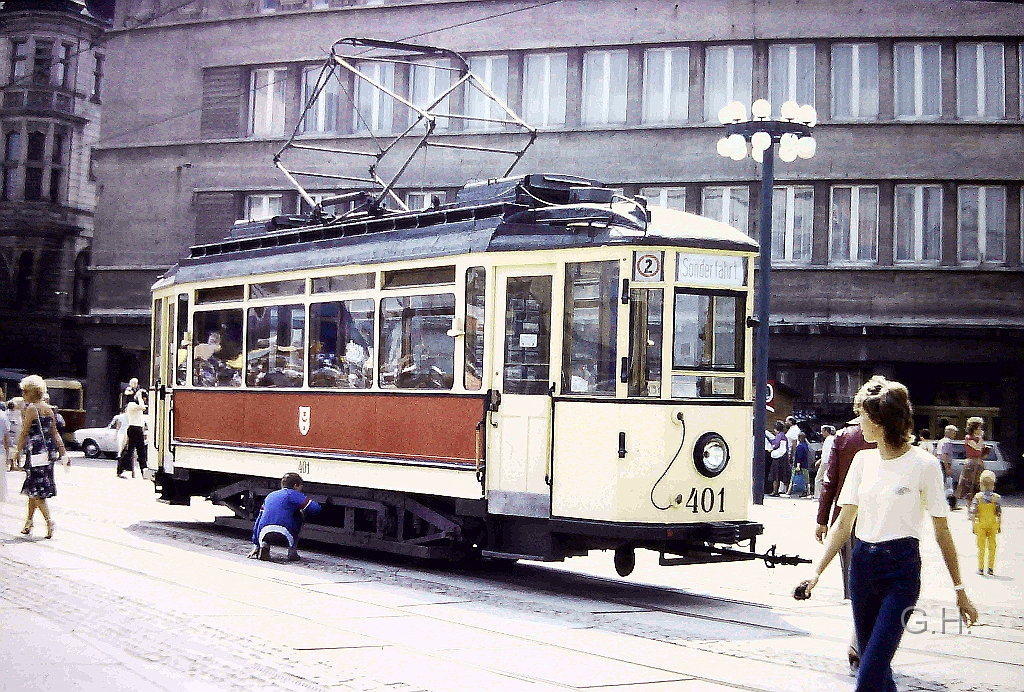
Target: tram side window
x=591, y=318
x=217, y=348
x=708, y=336
x=181, y=338
x=416, y=351
x=341, y=344
x=645, y=330
x=476, y=281
x=275, y=346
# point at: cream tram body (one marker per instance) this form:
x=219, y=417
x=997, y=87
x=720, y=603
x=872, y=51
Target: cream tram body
x=526, y=382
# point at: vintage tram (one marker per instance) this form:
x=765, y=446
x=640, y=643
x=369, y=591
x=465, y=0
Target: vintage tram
x=538, y=369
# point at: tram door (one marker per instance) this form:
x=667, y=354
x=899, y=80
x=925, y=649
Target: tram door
x=520, y=432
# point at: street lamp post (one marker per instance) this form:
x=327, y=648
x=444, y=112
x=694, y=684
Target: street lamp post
x=792, y=133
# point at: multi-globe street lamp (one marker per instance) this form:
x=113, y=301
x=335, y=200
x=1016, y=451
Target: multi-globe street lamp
x=759, y=135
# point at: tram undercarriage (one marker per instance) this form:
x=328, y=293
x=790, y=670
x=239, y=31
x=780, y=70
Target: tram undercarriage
x=454, y=529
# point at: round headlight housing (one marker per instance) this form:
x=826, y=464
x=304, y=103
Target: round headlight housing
x=710, y=454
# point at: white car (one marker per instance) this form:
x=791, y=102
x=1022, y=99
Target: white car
x=994, y=460
x=97, y=441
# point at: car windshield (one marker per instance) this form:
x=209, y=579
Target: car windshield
x=960, y=453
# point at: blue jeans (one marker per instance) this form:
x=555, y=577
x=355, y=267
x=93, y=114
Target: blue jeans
x=885, y=581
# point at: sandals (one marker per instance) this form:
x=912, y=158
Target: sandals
x=27, y=529
x=50, y=525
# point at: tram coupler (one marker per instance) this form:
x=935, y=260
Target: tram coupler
x=703, y=554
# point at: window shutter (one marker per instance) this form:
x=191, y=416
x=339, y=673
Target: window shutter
x=223, y=96
x=215, y=216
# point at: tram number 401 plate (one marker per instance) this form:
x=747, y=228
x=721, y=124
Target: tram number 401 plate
x=706, y=500
x=303, y=465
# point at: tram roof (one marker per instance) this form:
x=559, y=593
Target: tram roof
x=456, y=230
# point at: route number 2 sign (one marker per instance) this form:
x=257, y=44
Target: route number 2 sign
x=648, y=266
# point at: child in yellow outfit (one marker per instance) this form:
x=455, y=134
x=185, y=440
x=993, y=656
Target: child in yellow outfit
x=986, y=515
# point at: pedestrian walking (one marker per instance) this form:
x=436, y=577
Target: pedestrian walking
x=887, y=492
x=924, y=441
x=283, y=513
x=975, y=450
x=986, y=515
x=5, y=439
x=828, y=439
x=801, y=463
x=39, y=447
x=136, y=440
x=14, y=416
x=944, y=451
x=780, y=460
x=848, y=442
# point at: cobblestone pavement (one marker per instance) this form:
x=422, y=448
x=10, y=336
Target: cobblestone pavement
x=158, y=599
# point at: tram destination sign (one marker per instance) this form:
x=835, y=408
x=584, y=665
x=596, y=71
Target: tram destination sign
x=711, y=270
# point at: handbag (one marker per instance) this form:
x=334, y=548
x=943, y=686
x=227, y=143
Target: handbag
x=40, y=455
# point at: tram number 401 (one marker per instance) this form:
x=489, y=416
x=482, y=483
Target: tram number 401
x=303, y=465
x=706, y=500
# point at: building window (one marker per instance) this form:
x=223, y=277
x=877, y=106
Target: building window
x=19, y=59
x=792, y=223
x=266, y=102
x=854, y=228
x=980, y=91
x=666, y=85
x=324, y=115
x=666, y=197
x=42, y=65
x=374, y=110
x=97, y=77
x=12, y=161
x=836, y=386
x=64, y=65
x=23, y=284
x=918, y=83
x=35, y=159
x=268, y=6
x=544, y=98
x=492, y=70
x=424, y=199
x=604, y=87
x=429, y=79
x=982, y=223
x=791, y=74
x=261, y=207
x=854, y=81
x=729, y=205
x=57, y=157
x=728, y=74
x=918, y=223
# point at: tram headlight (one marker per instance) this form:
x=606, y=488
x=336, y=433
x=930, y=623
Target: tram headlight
x=710, y=454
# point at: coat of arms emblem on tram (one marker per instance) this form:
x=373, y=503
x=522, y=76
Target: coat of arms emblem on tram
x=304, y=412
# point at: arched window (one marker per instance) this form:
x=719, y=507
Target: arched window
x=23, y=290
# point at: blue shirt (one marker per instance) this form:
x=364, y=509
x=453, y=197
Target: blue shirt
x=801, y=454
x=281, y=508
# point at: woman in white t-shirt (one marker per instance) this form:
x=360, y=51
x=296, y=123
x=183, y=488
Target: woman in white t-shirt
x=887, y=491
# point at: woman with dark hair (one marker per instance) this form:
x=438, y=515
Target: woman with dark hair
x=887, y=491
x=974, y=464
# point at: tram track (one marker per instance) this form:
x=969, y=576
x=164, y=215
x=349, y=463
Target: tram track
x=601, y=604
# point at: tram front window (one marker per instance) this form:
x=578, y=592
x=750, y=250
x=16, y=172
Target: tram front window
x=275, y=346
x=591, y=312
x=708, y=336
x=217, y=348
x=416, y=351
x=341, y=344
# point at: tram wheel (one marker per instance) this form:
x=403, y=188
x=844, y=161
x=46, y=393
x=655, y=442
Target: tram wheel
x=625, y=560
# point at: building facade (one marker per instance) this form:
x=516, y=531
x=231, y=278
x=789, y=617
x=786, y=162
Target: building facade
x=896, y=249
x=51, y=60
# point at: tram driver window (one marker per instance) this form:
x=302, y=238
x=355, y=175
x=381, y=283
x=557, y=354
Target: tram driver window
x=341, y=344
x=591, y=318
x=645, y=330
x=474, y=341
x=217, y=348
x=708, y=336
x=275, y=345
x=416, y=351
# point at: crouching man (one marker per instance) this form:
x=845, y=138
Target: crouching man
x=283, y=513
